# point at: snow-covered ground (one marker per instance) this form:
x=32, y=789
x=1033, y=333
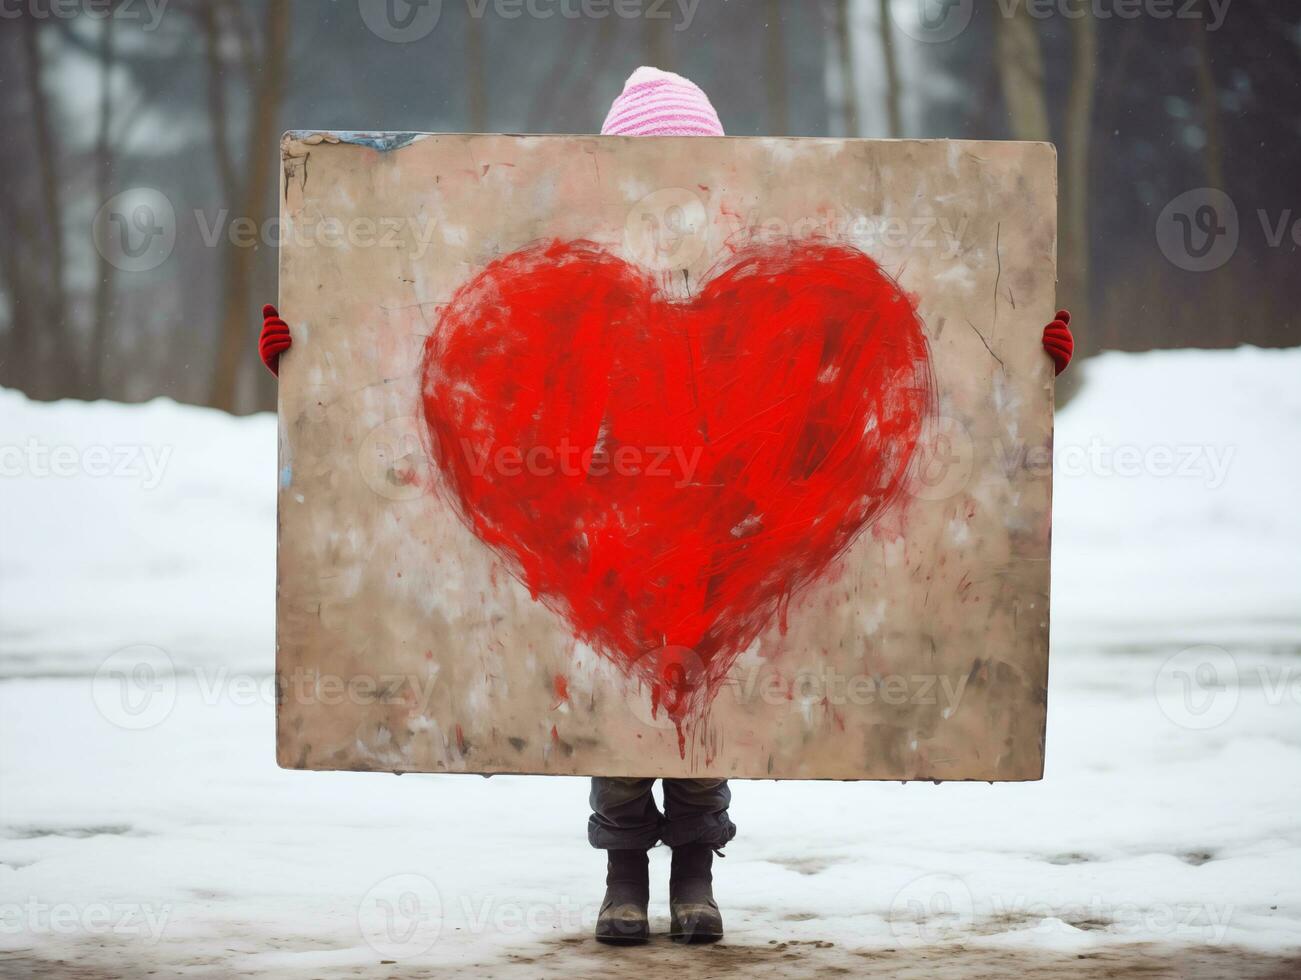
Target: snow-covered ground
x=144, y=825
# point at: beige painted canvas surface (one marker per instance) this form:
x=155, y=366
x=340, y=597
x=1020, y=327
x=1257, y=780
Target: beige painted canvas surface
x=434, y=618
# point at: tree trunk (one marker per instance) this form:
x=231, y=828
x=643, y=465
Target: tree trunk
x=1020, y=64
x=892, y=96
x=842, y=93
x=16, y=358
x=1223, y=327
x=1074, y=234
x=1021, y=68
x=101, y=324
x=1210, y=106
x=775, y=69
x=216, y=91
x=53, y=331
x=570, y=94
x=657, y=43
x=234, y=347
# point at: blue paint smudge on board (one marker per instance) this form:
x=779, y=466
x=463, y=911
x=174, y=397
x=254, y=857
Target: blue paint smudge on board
x=286, y=475
x=383, y=142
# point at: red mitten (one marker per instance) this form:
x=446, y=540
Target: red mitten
x=1058, y=341
x=275, y=339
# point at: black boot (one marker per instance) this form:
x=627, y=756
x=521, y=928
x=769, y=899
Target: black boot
x=694, y=915
x=623, y=920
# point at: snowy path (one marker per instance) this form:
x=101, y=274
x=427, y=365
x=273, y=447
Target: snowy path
x=182, y=847
x=1165, y=839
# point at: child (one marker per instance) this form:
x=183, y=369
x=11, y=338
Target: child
x=625, y=821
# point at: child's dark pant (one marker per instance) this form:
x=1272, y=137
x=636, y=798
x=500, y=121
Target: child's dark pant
x=625, y=817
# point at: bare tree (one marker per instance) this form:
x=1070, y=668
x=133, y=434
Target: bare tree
x=252, y=192
x=892, y=94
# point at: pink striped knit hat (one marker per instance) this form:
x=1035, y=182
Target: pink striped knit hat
x=660, y=103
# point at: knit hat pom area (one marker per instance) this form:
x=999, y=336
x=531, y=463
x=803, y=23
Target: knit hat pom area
x=660, y=103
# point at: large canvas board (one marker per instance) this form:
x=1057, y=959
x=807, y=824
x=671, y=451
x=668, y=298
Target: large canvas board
x=665, y=456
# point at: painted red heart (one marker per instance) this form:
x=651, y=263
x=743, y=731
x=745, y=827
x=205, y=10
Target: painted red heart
x=789, y=393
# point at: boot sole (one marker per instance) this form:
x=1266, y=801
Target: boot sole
x=623, y=932
x=695, y=938
x=620, y=939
